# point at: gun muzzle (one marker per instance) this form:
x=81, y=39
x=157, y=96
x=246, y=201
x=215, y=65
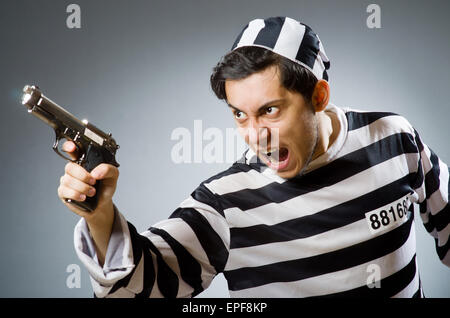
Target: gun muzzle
x=30, y=97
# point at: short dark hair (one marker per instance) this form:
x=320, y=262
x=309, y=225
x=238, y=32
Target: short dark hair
x=245, y=61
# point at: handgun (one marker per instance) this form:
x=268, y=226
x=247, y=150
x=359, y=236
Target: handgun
x=93, y=145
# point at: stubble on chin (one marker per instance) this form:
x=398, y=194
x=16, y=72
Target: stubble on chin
x=311, y=151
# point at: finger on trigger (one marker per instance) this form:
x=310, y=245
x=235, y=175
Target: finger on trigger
x=69, y=146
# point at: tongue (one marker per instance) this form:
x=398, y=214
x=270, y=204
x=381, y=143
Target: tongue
x=283, y=154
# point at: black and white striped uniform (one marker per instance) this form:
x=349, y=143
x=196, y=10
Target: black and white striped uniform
x=345, y=228
x=287, y=37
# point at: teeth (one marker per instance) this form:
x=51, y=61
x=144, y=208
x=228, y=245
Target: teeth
x=271, y=152
x=271, y=155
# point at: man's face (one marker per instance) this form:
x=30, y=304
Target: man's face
x=276, y=123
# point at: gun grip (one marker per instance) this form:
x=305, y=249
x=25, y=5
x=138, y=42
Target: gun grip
x=92, y=158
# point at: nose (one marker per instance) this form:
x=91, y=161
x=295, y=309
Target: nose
x=258, y=136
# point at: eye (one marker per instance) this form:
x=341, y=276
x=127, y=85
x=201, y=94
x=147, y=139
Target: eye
x=239, y=115
x=271, y=110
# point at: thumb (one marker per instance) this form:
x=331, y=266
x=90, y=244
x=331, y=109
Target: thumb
x=105, y=171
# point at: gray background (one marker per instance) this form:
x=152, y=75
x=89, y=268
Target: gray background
x=140, y=69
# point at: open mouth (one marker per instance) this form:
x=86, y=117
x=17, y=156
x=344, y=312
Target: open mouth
x=276, y=159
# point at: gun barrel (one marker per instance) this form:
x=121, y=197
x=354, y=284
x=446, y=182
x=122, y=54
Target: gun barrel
x=59, y=118
x=39, y=105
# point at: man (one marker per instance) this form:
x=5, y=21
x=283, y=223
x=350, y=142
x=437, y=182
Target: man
x=320, y=205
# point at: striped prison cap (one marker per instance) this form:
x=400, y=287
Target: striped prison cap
x=289, y=38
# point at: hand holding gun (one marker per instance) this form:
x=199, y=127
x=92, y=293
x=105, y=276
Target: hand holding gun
x=87, y=145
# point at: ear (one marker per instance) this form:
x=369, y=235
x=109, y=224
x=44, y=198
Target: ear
x=321, y=95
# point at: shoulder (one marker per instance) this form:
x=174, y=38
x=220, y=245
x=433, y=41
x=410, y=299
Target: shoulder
x=388, y=122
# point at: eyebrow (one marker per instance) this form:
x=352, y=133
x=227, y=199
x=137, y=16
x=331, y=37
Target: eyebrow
x=261, y=107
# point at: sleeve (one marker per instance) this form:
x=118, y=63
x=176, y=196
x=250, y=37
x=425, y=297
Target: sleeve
x=432, y=196
x=178, y=257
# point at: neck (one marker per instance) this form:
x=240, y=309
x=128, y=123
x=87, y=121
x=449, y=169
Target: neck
x=327, y=130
